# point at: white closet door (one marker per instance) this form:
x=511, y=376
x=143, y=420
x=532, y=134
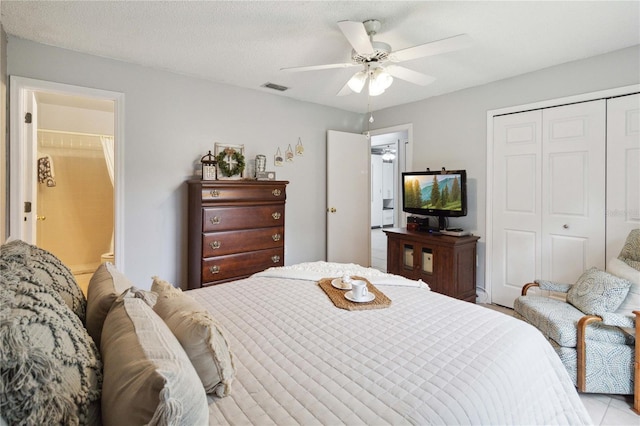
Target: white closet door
x=516, y=204
x=573, y=188
x=548, y=188
x=623, y=170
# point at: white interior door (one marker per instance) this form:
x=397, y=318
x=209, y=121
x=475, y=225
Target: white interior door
x=573, y=190
x=623, y=170
x=516, y=211
x=348, y=204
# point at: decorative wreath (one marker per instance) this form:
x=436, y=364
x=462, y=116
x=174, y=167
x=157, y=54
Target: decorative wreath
x=225, y=168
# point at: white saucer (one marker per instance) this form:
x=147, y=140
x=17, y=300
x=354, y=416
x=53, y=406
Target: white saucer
x=349, y=296
x=337, y=283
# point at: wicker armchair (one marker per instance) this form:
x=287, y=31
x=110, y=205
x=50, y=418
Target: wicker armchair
x=595, y=330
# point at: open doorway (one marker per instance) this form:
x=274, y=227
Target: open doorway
x=75, y=198
x=389, y=155
x=64, y=179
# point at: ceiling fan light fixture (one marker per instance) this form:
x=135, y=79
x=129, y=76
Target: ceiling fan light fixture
x=379, y=81
x=356, y=83
x=375, y=89
x=382, y=77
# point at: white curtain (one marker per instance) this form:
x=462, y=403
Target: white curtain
x=107, y=147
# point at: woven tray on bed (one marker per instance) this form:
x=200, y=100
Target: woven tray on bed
x=337, y=296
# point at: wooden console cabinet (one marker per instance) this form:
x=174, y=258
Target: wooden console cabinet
x=446, y=263
x=236, y=228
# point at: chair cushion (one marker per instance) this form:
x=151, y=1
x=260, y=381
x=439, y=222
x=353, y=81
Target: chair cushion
x=148, y=378
x=50, y=369
x=609, y=367
x=200, y=335
x=597, y=292
x=558, y=321
x=554, y=318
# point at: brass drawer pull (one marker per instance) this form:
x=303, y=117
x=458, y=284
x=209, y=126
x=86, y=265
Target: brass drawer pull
x=214, y=193
x=215, y=245
x=275, y=259
x=276, y=237
x=276, y=192
x=276, y=215
x=215, y=220
x=214, y=269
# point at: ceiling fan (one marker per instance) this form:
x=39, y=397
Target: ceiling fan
x=378, y=60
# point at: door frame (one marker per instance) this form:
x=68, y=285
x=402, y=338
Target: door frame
x=405, y=159
x=585, y=97
x=21, y=88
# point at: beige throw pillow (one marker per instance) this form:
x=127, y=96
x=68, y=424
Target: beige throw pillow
x=106, y=284
x=148, y=378
x=199, y=334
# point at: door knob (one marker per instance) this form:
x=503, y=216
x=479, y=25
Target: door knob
x=332, y=209
x=565, y=226
x=41, y=218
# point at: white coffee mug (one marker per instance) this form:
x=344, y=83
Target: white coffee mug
x=359, y=289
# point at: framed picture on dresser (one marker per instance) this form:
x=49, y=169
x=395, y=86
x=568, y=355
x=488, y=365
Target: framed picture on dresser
x=230, y=160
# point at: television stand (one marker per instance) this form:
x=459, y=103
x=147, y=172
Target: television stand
x=446, y=263
x=455, y=232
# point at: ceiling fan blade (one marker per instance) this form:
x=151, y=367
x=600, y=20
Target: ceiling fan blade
x=320, y=67
x=345, y=90
x=357, y=36
x=409, y=75
x=450, y=44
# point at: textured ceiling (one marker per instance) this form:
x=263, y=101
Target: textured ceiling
x=246, y=43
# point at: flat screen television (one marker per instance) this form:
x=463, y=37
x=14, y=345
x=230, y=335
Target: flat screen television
x=435, y=193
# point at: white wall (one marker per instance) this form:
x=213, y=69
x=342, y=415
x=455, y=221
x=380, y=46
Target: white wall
x=451, y=131
x=170, y=121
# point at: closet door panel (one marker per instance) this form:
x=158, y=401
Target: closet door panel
x=569, y=184
x=521, y=258
x=623, y=170
x=567, y=257
x=573, y=184
x=520, y=181
x=516, y=216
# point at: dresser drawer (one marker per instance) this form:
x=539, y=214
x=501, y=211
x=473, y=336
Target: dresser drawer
x=240, y=265
x=248, y=192
x=226, y=242
x=227, y=218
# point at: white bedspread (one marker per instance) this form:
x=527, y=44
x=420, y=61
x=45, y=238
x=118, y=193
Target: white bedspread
x=315, y=271
x=427, y=359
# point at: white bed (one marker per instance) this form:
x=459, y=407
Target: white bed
x=426, y=359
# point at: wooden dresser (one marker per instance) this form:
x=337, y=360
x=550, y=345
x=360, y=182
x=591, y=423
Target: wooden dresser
x=236, y=228
x=446, y=263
